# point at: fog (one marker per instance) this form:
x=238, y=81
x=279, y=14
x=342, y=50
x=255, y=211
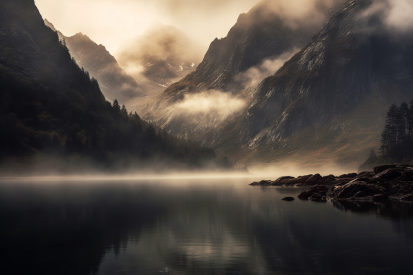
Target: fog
x=254, y=75
x=163, y=54
x=209, y=105
x=111, y=22
x=295, y=12
x=396, y=14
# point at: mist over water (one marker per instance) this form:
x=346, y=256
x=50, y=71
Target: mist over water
x=195, y=226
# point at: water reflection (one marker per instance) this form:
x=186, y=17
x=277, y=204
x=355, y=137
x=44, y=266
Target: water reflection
x=400, y=213
x=195, y=227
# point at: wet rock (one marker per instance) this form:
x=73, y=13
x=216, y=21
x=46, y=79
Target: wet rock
x=365, y=174
x=329, y=180
x=318, y=189
x=389, y=174
x=262, y=182
x=285, y=181
x=346, y=176
x=381, y=168
x=404, y=197
x=357, y=189
x=318, y=198
x=288, y=199
x=312, y=180
x=380, y=198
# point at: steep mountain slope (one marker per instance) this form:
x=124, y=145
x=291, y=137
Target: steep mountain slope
x=95, y=59
x=258, y=44
x=329, y=101
x=162, y=55
x=52, y=112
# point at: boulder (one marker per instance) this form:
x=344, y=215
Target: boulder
x=312, y=180
x=318, y=189
x=347, y=176
x=288, y=199
x=262, y=182
x=329, y=180
x=381, y=168
x=318, y=198
x=357, y=189
x=389, y=174
x=405, y=197
x=380, y=198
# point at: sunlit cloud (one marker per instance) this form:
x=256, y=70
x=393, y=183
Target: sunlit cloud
x=111, y=22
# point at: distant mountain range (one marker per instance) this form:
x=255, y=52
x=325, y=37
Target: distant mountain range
x=54, y=117
x=256, y=47
x=95, y=59
x=328, y=102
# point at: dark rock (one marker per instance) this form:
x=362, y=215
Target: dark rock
x=285, y=181
x=262, y=182
x=407, y=175
x=318, y=198
x=405, y=197
x=381, y=168
x=288, y=199
x=359, y=194
x=389, y=174
x=316, y=179
x=329, y=180
x=318, y=189
x=363, y=179
x=366, y=174
x=352, y=188
x=342, y=181
x=346, y=176
x=380, y=198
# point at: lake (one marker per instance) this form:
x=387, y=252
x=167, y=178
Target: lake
x=194, y=226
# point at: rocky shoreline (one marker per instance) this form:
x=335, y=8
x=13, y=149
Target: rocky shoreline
x=386, y=182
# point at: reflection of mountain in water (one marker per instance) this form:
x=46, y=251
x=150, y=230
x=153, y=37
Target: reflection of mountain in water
x=67, y=230
x=188, y=227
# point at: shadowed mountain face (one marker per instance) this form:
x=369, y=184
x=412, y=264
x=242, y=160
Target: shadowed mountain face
x=95, y=59
x=53, y=114
x=330, y=99
x=258, y=44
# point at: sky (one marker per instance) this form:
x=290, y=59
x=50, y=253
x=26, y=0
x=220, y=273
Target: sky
x=112, y=22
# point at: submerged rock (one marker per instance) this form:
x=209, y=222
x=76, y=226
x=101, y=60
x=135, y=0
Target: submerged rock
x=318, y=189
x=318, y=198
x=288, y=199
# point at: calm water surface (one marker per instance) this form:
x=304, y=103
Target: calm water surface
x=192, y=226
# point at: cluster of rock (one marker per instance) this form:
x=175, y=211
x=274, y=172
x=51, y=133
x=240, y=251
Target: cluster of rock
x=394, y=182
x=308, y=180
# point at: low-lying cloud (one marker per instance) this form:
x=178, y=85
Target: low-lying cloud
x=210, y=105
x=294, y=13
x=254, y=75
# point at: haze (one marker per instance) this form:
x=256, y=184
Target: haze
x=111, y=22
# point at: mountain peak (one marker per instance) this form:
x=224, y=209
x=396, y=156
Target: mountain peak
x=49, y=24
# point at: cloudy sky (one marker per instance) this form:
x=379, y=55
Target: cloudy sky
x=111, y=22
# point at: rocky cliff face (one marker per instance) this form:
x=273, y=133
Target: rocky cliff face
x=114, y=82
x=261, y=40
x=332, y=96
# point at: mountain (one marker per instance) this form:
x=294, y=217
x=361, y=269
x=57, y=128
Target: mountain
x=53, y=116
x=328, y=102
x=255, y=47
x=162, y=55
x=95, y=59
